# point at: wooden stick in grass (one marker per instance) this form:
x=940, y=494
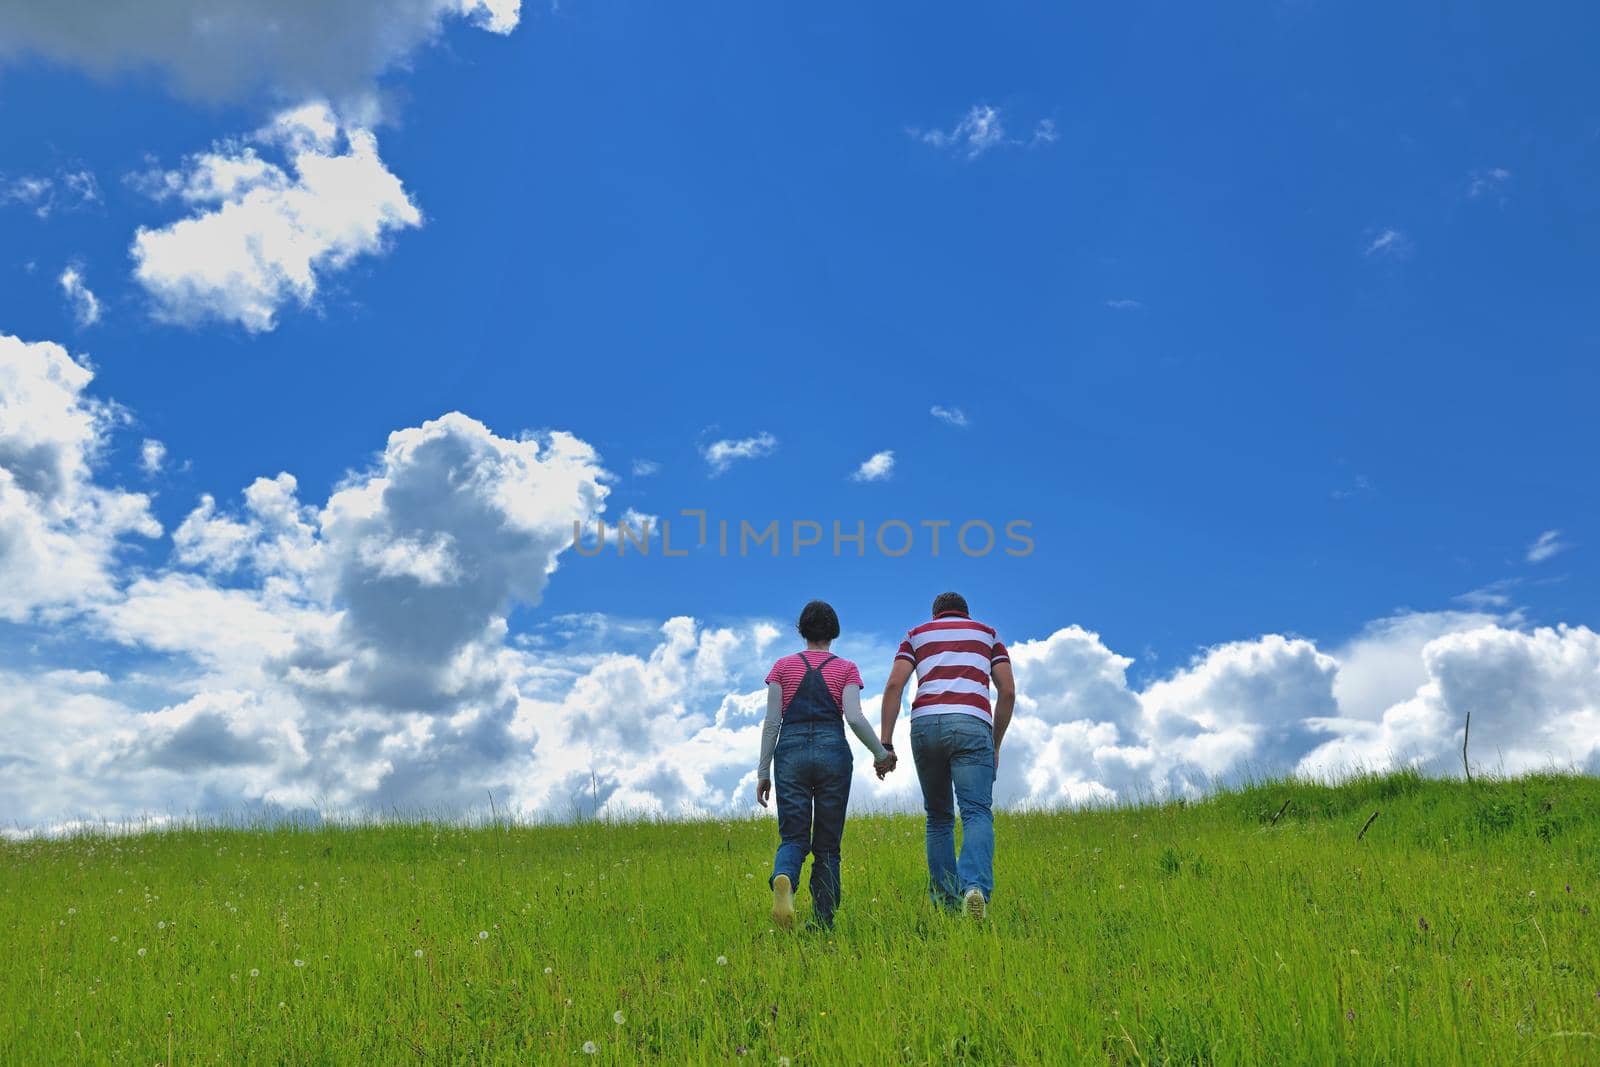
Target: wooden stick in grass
x=1370, y=820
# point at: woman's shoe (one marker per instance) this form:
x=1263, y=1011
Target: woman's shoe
x=975, y=904
x=782, y=902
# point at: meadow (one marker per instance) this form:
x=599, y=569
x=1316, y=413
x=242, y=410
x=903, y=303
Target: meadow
x=1252, y=927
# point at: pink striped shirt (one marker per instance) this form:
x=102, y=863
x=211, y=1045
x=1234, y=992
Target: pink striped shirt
x=953, y=656
x=838, y=673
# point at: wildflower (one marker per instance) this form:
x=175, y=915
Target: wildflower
x=722, y=961
x=483, y=935
x=141, y=951
x=417, y=953
x=618, y=1018
x=590, y=1048
x=299, y=963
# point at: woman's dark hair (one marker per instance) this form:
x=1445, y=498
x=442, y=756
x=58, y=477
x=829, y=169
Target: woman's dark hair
x=818, y=622
x=950, y=602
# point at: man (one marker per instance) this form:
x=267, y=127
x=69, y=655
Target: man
x=955, y=742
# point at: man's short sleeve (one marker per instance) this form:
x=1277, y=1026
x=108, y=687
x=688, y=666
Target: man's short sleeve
x=906, y=653
x=1000, y=654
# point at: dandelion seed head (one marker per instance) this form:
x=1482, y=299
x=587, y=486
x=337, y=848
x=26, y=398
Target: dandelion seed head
x=590, y=1048
x=141, y=951
x=255, y=972
x=722, y=961
x=299, y=963
x=162, y=925
x=618, y=1018
x=483, y=935
x=549, y=970
x=417, y=953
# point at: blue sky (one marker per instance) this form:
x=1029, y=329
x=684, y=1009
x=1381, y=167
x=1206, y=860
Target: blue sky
x=1274, y=320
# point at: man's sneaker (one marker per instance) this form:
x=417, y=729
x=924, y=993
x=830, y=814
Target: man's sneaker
x=975, y=904
x=782, y=902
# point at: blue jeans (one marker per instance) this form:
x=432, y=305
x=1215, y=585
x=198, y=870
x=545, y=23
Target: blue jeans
x=811, y=776
x=955, y=752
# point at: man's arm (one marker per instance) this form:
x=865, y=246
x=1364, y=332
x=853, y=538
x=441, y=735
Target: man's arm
x=1005, y=685
x=893, y=693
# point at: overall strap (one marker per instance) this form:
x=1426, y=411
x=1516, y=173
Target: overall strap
x=818, y=666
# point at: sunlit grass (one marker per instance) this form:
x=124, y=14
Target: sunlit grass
x=1461, y=929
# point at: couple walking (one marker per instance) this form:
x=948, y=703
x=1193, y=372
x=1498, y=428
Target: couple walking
x=955, y=744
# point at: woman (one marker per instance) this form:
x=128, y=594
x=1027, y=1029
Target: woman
x=810, y=696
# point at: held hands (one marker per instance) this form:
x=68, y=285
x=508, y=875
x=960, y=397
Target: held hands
x=885, y=765
x=763, y=791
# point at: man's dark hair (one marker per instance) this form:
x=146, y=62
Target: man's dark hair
x=949, y=602
x=818, y=621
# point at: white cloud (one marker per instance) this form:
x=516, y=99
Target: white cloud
x=265, y=234
x=644, y=468
x=67, y=190
x=355, y=654
x=878, y=467
x=152, y=456
x=723, y=454
x=85, y=305
x=1483, y=182
x=216, y=49
x=1389, y=243
x=1124, y=304
x=981, y=130
x=954, y=416
x=59, y=531
x=1546, y=545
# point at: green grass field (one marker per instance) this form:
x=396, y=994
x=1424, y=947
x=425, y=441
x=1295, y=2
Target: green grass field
x=1462, y=929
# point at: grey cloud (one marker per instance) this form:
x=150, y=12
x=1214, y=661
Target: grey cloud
x=221, y=49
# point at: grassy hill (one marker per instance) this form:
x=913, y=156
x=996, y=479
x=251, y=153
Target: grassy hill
x=1462, y=928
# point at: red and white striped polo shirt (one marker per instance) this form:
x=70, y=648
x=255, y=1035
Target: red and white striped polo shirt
x=953, y=656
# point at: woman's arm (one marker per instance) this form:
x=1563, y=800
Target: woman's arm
x=858, y=723
x=769, y=731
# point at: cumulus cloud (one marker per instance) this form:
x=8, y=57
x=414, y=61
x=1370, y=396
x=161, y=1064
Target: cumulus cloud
x=354, y=653
x=59, y=531
x=953, y=416
x=876, y=468
x=85, y=305
x=1546, y=545
x=723, y=454
x=262, y=233
x=1389, y=244
x=152, y=456
x=67, y=190
x=1481, y=183
x=220, y=49
x=981, y=130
